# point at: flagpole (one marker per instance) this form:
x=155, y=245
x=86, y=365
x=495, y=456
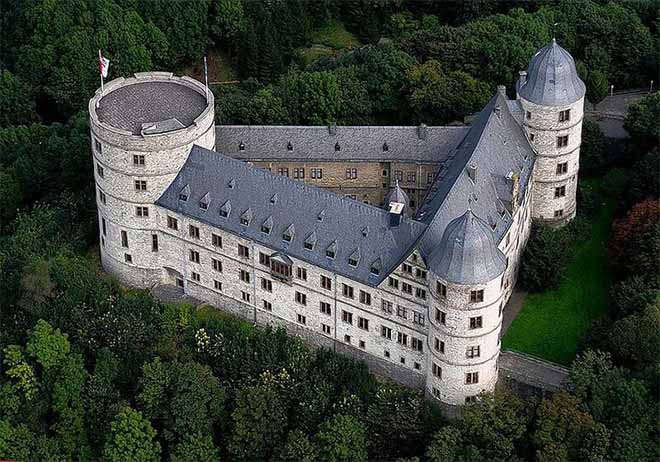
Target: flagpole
x=100, y=75
x=206, y=79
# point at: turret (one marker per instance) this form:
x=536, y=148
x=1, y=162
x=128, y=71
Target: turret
x=397, y=204
x=552, y=97
x=467, y=269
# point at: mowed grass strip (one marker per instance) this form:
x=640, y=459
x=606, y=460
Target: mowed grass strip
x=551, y=323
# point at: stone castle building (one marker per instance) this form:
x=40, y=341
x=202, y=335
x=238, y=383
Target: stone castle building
x=397, y=245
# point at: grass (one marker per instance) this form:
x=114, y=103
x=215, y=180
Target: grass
x=335, y=35
x=551, y=323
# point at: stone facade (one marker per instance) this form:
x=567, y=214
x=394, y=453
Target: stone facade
x=415, y=327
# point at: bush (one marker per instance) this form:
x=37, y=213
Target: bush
x=545, y=258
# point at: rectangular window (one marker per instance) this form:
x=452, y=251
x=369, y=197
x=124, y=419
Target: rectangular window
x=418, y=318
x=398, y=175
x=154, y=242
x=420, y=293
x=440, y=316
x=363, y=323
x=528, y=115
x=471, y=378
x=217, y=265
x=243, y=251
x=365, y=297
x=562, y=141
x=560, y=191
x=128, y=258
x=387, y=306
x=441, y=288
x=417, y=344
x=301, y=298
x=473, y=352
x=362, y=344
x=124, y=239
x=267, y=284
x=99, y=170
x=268, y=306
x=401, y=312
x=476, y=296
x=562, y=168
x=301, y=319
x=102, y=196
x=195, y=276
x=347, y=338
x=565, y=116
x=406, y=268
x=325, y=308
x=301, y=273
x=347, y=316
x=316, y=173
x=217, y=285
x=193, y=231
x=411, y=177
x=429, y=178
x=103, y=227
x=347, y=291
x=142, y=212
x=326, y=283
x=245, y=296
x=402, y=338
x=386, y=332
x=264, y=259
x=299, y=173
x=283, y=171
x=406, y=288
x=140, y=185
x=244, y=276
x=193, y=256
x=138, y=160
x=393, y=282
x=98, y=146
x=559, y=213
x=326, y=329
x=351, y=173
x=531, y=137
x=437, y=370
x=216, y=240
x=420, y=273
x=439, y=345
x=476, y=322
x=172, y=223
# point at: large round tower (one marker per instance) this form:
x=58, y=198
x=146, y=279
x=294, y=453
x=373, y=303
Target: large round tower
x=465, y=318
x=142, y=130
x=552, y=98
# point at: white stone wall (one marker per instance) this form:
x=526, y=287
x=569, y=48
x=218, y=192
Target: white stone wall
x=544, y=127
x=164, y=154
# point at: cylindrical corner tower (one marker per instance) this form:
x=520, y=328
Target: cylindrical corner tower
x=552, y=97
x=142, y=130
x=465, y=318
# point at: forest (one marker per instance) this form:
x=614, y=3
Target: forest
x=93, y=371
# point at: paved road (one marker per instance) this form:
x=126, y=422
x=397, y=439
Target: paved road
x=610, y=113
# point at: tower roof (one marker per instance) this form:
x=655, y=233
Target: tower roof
x=552, y=79
x=397, y=195
x=467, y=253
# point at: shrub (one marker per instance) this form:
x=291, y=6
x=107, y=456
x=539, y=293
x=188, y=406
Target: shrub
x=544, y=259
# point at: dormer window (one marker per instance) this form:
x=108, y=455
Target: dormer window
x=225, y=209
x=267, y=225
x=184, y=193
x=246, y=217
x=273, y=199
x=365, y=231
x=321, y=215
x=205, y=201
x=337, y=147
x=376, y=267
x=288, y=233
x=331, y=251
x=310, y=242
x=385, y=147
x=231, y=184
x=289, y=146
x=241, y=146
x=354, y=258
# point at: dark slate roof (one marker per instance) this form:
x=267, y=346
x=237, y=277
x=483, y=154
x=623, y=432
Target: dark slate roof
x=310, y=213
x=551, y=78
x=467, y=253
x=129, y=107
x=498, y=147
x=356, y=143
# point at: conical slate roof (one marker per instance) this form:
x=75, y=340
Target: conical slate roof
x=467, y=253
x=397, y=195
x=551, y=78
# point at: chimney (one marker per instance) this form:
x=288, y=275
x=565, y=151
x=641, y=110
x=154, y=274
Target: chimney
x=502, y=90
x=332, y=128
x=421, y=132
x=472, y=172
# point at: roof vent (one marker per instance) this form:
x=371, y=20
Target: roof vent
x=241, y=146
x=421, y=132
x=365, y=231
x=332, y=128
x=273, y=199
x=472, y=172
x=498, y=111
x=231, y=183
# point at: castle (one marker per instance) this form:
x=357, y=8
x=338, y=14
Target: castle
x=396, y=245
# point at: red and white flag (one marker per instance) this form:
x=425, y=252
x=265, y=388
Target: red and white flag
x=104, y=64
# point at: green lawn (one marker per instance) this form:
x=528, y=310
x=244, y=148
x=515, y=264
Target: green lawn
x=551, y=323
x=335, y=35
